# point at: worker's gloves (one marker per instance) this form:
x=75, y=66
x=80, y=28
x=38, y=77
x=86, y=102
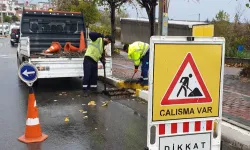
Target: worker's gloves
x=136, y=69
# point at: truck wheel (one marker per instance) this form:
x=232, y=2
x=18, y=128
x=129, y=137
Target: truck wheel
x=18, y=61
x=35, y=84
x=12, y=43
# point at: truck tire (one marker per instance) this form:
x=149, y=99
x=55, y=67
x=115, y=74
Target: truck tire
x=18, y=61
x=35, y=84
x=12, y=43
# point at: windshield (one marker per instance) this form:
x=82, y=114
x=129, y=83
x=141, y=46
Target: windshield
x=52, y=25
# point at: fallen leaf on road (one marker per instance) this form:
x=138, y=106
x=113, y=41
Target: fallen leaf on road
x=105, y=104
x=85, y=117
x=84, y=112
x=55, y=100
x=96, y=128
x=81, y=110
x=78, y=95
x=92, y=103
x=66, y=119
x=83, y=104
x=72, y=98
x=60, y=94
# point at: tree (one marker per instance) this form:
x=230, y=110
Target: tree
x=14, y=18
x=149, y=5
x=112, y=5
x=65, y=5
x=222, y=16
x=106, y=21
x=89, y=10
x=223, y=28
x=6, y=18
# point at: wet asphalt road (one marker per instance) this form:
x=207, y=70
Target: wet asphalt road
x=120, y=126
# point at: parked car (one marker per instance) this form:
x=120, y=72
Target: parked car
x=14, y=36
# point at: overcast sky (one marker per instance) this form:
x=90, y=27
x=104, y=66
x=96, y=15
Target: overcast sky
x=184, y=10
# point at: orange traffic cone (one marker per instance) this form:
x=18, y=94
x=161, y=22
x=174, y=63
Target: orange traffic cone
x=55, y=47
x=82, y=42
x=68, y=47
x=33, y=132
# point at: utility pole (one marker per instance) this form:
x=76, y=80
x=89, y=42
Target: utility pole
x=163, y=17
x=199, y=17
x=160, y=17
x=2, y=16
x=50, y=4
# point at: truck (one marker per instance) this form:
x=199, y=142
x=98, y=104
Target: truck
x=38, y=29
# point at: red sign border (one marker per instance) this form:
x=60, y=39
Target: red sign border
x=206, y=99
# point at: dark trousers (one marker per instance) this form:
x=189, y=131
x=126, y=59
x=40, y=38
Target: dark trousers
x=90, y=70
x=144, y=68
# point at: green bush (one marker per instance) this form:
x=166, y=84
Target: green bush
x=100, y=29
x=234, y=53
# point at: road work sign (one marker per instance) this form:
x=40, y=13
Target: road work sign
x=186, y=80
x=185, y=93
x=28, y=73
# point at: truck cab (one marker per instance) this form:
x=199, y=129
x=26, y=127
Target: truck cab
x=38, y=29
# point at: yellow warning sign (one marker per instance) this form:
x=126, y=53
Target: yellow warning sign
x=203, y=30
x=186, y=81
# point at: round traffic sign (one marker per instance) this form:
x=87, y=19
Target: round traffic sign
x=28, y=73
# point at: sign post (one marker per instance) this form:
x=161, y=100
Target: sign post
x=28, y=73
x=185, y=92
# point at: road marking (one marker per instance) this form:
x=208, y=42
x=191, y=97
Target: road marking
x=7, y=56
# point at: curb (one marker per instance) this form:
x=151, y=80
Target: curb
x=121, y=84
x=234, y=133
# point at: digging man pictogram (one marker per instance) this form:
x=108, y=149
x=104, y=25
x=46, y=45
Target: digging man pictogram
x=184, y=86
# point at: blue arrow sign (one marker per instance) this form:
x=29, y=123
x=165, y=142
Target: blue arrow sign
x=28, y=73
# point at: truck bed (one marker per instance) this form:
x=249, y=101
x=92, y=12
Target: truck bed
x=66, y=67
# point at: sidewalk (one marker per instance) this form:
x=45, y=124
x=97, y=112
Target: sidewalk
x=236, y=97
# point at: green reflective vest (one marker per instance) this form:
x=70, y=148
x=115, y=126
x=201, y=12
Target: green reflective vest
x=136, y=50
x=95, y=49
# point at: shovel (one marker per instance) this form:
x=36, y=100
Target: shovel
x=132, y=78
x=105, y=87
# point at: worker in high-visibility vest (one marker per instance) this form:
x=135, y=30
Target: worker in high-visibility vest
x=94, y=53
x=139, y=53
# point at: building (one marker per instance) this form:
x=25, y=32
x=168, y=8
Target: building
x=45, y=5
x=133, y=29
x=8, y=7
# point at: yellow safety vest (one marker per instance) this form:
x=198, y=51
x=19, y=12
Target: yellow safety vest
x=95, y=49
x=136, y=51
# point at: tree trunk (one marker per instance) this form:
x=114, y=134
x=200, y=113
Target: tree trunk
x=152, y=20
x=113, y=27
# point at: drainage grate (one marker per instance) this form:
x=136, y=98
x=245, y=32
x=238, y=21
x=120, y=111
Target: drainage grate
x=118, y=92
